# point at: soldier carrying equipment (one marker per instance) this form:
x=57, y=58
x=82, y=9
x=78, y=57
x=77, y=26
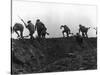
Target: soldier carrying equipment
x=40, y=28
x=30, y=27
x=18, y=27
x=66, y=30
x=84, y=30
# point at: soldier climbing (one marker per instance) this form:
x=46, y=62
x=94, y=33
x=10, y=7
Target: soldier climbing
x=30, y=27
x=44, y=33
x=41, y=29
x=18, y=27
x=84, y=30
x=66, y=30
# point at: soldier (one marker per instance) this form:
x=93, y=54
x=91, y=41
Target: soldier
x=66, y=30
x=40, y=27
x=84, y=30
x=43, y=33
x=31, y=29
x=18, y=27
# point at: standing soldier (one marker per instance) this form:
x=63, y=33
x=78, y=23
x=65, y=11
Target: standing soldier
x=40, y=27
x=30, y=27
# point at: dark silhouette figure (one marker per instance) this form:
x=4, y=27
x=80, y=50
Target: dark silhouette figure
x=66, y=30
x=30, y=27
x=18, y=27
x=40, y=27
x=43, y=33
x=79, y=39
x=84, y=30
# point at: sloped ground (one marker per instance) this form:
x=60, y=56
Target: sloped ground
x=53, y=55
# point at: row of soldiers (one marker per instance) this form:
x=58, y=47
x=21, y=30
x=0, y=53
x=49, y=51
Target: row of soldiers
x=82, y=29
x=39, y=26
x=78, y=37
x=42, y=30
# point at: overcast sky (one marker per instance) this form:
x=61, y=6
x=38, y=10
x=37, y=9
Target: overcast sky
x=54, y=15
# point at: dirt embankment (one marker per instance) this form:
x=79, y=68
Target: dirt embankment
x=52, y=55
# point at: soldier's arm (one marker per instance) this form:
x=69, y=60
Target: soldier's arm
x=44, y=26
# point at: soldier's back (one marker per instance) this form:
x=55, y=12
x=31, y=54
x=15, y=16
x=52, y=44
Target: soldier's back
x=40, y=25
x=66, y=27
x=31, y=27
x=18, y=26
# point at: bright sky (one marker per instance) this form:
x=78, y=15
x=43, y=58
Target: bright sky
x=54, y=15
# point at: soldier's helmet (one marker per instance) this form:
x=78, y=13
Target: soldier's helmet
x=80, y=25
x=29, y=21
x=65, y=25
x=62, y=25
x=38, y=20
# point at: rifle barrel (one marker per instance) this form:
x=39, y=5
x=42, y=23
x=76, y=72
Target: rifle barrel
x=22, y=21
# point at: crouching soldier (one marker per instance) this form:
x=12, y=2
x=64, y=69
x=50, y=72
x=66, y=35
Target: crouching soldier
x=30, y=27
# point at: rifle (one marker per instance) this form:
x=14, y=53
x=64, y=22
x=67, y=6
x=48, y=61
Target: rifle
x=23, y=21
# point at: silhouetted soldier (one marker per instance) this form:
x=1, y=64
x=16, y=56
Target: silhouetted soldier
x=66, y=30
x=43, y=33
x=30, y=27
x=79, y=39
x=40, y=27
x=18, y=27
x=84, y=30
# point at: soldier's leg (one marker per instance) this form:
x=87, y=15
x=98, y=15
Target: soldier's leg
x=38, y=32
x=21, y=33
x=83, y=34
x=31, y=35
x=39, y=35
x=67, y=34
x=17, y=33
x=44, y=35
x=63, y=33
x=86, y=35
